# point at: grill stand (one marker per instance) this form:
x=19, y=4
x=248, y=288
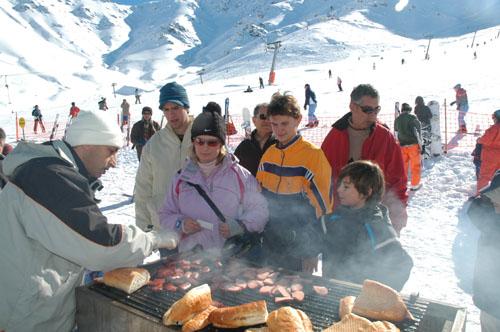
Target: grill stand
x=96, y=312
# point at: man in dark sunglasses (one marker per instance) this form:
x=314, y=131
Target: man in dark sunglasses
x=249, y=151
x=359, y=136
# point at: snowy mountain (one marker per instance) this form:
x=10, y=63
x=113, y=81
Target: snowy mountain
x=146, y=44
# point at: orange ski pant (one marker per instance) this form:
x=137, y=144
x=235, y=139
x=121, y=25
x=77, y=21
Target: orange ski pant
x=411, y=158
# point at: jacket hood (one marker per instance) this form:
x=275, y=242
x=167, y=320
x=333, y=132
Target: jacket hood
x=25, y=152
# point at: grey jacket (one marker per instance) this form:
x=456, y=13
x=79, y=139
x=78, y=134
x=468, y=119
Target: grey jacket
x=51, y=230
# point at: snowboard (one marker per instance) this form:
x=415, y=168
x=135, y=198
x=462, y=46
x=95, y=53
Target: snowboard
x=247, y=124
x=397, y=112
x=436, y=146
x=226, y=109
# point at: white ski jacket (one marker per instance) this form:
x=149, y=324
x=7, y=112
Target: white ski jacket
x=162, y=156
x=50, y=230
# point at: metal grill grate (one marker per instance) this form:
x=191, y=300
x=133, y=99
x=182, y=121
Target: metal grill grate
x=322, y=310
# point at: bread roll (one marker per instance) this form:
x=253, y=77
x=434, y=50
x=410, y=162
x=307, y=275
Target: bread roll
x=354, y=323
x=199, y=321
x=248, y=314
x=345, y=305
x=381, y=302
x=128, y=279
x=289, y=319
x=193, y=302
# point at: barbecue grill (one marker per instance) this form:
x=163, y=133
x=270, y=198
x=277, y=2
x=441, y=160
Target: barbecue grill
x=103, y=308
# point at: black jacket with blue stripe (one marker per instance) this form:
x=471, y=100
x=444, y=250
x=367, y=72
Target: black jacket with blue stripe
x=362, y=244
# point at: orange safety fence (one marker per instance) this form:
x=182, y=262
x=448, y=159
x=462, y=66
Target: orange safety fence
x=476, y=124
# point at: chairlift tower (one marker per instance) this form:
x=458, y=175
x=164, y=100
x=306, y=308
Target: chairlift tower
x=273, y=46
x=201, y=72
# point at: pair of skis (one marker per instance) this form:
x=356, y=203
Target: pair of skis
x=245, y=114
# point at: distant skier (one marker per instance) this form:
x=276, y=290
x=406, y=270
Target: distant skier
x=312, y=103
x=373, y=66
x=261, y=83
x=462, y=107
x=409, y=136
x=402, y=61
x=74, y=110
x=339, y=83
x=125, y=113
x=329, y=73
x=249, y=89
x=103, y=106
x=137, y=96
x=37, y=115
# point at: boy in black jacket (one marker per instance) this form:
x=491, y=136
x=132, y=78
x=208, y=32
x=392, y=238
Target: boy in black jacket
x=361, y=242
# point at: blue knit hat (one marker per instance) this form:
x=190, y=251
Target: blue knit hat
x=174, y=93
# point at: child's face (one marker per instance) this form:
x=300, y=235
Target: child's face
x=348, y=194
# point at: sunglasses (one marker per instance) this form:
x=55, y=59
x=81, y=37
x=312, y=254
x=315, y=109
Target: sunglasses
x=369, y=109
x=263, y=116
x=210, y=142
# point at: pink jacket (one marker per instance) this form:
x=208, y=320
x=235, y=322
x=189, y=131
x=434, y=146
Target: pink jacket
x=236, y=199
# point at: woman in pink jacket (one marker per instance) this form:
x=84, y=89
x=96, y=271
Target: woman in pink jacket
x=231, y=188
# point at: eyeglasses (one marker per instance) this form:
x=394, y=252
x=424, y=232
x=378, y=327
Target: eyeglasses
x=369, y=109
x=263, y=116
x=210, y=142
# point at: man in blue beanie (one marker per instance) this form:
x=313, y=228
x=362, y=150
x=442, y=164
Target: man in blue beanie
x=162, y=156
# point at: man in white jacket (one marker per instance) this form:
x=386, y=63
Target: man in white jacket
x=52, y=230
x=162, y=156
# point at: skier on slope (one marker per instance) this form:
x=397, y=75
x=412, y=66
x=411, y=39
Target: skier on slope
x=312, y=103
x=409, y=136
x=37, y=115
x=462, y=103
x=74, y=110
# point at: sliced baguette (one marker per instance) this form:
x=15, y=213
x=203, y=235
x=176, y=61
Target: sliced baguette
x=247, y=314
x=289, y=319
x=380, y=302
x=127, y=279
x=345, y=305
x=192, y=303
x=354, y=323
x=199, y=321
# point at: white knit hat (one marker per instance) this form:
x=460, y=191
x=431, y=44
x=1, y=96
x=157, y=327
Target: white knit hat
x=94, y=128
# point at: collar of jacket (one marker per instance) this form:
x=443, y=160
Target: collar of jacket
x=343, y=123
x=270, y=140
x=77, y=162
x=191, y=171
x=188, y=129
x=297, y=138
x=377, y=210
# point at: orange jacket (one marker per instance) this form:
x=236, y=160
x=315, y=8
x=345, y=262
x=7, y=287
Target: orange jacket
x=490, y=160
